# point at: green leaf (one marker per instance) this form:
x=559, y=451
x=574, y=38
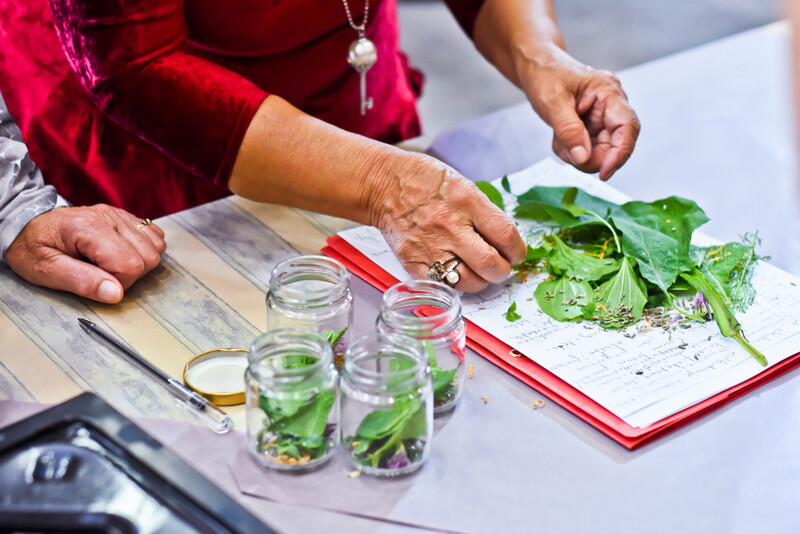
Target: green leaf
x=309, y=420
x=492, y=193
x=535, y=254
x=279, y=408
x=658, y=235
x=362, y=446
x=430, y=350
x=380, y=423
x=546, y=204
x=332, y=336
x=566, y=261
x=442, y=379
x=416, y=426
x=412, y=427
x=562, y=298
x=511, y=314
x=505, y=184
x=623, y=298
x=674, y=216
x=569, y=204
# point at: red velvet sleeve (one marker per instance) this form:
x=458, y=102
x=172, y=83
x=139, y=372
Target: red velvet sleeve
x=133, y=58
x=465, y=12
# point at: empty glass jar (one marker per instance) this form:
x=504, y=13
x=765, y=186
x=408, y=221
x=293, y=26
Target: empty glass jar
x=386, y=405
x=312, y=292
x=431, y=313
x=291, y=396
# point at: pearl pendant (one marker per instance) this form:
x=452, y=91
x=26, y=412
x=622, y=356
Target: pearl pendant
x=362, y=54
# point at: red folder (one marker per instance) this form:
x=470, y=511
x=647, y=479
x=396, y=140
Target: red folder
x=547, y=383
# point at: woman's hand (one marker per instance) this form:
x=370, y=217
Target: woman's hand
x=426, y=211
x=95, y=252
x=594, y=127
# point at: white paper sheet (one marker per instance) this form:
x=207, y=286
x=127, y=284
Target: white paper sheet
x=641, y=379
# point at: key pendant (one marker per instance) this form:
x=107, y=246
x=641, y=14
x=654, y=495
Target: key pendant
x=362, y=56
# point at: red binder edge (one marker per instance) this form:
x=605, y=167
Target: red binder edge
x=550, y=385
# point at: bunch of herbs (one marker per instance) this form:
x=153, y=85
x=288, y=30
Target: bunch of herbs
x=613, y=263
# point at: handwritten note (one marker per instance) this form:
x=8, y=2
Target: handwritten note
x=642, y=377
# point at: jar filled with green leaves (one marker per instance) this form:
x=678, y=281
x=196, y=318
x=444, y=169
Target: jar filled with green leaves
x=312, y=292
x=386, y=405
x=291, y=397
x=431, y=313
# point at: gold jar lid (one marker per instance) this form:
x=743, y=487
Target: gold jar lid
x=218, y=375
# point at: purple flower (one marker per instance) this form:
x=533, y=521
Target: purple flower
x=399, y=460
x=701, y=305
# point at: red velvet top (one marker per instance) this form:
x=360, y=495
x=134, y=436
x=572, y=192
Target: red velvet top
x=152, y=112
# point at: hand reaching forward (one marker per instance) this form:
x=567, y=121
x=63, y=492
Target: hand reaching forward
x=428, y=212
x=95, y=252
x=594, y=127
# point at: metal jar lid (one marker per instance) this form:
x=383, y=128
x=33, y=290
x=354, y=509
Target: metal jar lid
x=218, y=375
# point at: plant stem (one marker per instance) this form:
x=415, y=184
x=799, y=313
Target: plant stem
x=727, y=323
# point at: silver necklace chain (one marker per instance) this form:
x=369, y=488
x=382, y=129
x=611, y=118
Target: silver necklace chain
x=361, y=28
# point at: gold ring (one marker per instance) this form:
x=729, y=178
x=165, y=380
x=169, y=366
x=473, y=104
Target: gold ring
x=145, y=222
x=444, y=271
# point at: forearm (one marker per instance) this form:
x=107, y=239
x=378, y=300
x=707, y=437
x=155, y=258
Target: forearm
x=515, y=35
x=290, y=158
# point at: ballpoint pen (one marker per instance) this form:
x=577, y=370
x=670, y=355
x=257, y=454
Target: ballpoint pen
x=218, y=419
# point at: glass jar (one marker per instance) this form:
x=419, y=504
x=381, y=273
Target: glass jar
x=430, y=312
x=291, y=398
x=312, y=292
x=386, y=405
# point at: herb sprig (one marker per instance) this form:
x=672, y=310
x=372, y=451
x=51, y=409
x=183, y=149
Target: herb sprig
x=296, y=431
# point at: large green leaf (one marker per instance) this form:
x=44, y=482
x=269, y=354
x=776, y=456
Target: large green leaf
x=658, y=235
x=380, y=423
x=622, y=297
x=660, y=259
x=279, y=408
x=564, y=299
x=566, y=261
x=675, y=217
x=545, y=204
x=308, y=421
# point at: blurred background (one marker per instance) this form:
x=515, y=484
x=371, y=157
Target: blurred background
x=608, y=34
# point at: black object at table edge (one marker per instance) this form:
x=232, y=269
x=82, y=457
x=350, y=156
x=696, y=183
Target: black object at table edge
x=155, y=462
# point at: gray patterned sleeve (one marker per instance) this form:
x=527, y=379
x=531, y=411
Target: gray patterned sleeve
x=23, y=194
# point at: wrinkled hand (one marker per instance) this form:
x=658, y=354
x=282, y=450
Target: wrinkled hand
x=95, y=252
x=594, y=127
x=426, y=211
